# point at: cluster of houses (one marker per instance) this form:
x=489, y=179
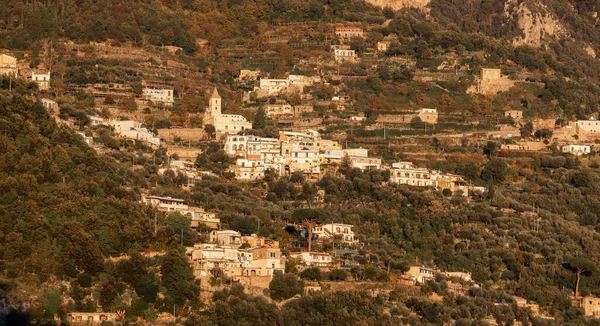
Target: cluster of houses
x=235, y=256
x=308, y=153
x=292, y=151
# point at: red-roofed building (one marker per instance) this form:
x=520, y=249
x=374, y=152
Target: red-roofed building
x=348, y=32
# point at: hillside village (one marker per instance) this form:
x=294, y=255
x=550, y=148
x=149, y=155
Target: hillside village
x=244, y=149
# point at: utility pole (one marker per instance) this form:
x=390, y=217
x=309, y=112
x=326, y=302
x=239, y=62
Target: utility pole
x=155, y=223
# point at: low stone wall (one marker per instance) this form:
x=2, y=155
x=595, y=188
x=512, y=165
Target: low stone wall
x=186, y=134
x=185, y=152
x=395, y=118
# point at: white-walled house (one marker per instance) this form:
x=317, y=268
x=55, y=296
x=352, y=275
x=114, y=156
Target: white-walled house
x=51, y=105
x=420, y=273
x=342, y=55
x=330, y=230
x=321, y=259
x=165, y=204
x=365, y=163
x=133, y=130
x=159, y=95
x=42, y=80
x=577, y=149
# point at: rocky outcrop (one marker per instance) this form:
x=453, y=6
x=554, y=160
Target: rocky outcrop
x=536, y=25
x=399, y=4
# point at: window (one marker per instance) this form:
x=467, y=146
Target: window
x=273, y=255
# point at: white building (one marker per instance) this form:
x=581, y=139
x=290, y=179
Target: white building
x=159, y=95
x=95, y=121
x=407, y=173
x=51, y=106
x=356, y=152
x=576, y=149
x=319, y=259
x=467, y=277
x=341, y=55
x=331, y=230
x=206, y=257
x=420, y=273
x=273, y=86
x=365, y=163
x=42, y=80
x=224, y=123
x=133, y=130
x=590, y=127
x=165, y=204
x=253, y=147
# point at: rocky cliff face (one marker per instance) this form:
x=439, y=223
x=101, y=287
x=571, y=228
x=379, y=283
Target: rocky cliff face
x=399, y=4
x=536, y=25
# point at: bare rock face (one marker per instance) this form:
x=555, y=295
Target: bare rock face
x=399, y=4
x=537, y=23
